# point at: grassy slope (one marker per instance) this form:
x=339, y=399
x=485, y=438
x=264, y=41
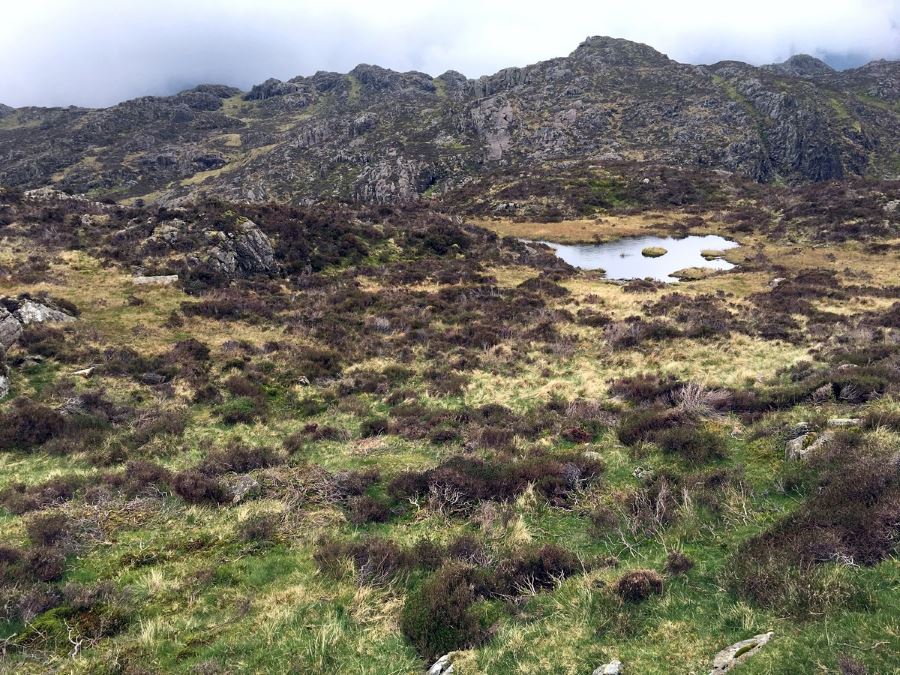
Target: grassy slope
x=203, y=597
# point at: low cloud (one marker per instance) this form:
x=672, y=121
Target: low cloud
x=98, y=52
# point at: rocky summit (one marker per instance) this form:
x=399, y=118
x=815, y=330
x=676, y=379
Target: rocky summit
x=381, y=136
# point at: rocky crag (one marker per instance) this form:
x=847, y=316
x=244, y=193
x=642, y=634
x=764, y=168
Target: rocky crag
x=381, y=136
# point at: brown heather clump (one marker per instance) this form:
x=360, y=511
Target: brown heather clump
x=48, y=529
x=438, y=617
x=678, y=563
x=197, y=487
x=639, y=585
x=28, y=425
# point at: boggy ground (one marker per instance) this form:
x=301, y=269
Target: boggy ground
x=405, y=436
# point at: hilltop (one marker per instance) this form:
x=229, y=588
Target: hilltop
x=376, y=135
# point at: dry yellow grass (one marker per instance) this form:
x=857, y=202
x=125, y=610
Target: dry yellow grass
x=600, y=229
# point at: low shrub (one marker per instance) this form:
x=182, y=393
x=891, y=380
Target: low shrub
x=47, y=529
x=45, y=563
x=534, y=570
x=141, y=477
x=374, y=426
x=239, y=458
x=693, y=444
x=365, y=509
x=19, y=498
x=242, y=410
x=197, y=487
x=639, y=585
x=438, y=618
x=644, y=425
x=646, y=388
x=376, y=560
x=29, y=425
x=259, y=528
x=678, y=563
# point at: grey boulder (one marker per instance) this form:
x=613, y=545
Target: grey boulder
x=614, y=667
x=739, y=652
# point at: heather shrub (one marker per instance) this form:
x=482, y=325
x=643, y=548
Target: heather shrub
x=694, y=444
x=197, y=487
x=45, y=563
x=47, y=529
x=19, y=498
x=239, y=458
x=141, y=477
x=678, y=563
x=29, y=425
x=259, y=528
x=243, y=410
x=534, y=570
x=639, y=585
x=364, y=509
x=438, y=618
x=374, y=426
x=851, y=518
x=646, y=388
x=376, y=560
x=644, y=425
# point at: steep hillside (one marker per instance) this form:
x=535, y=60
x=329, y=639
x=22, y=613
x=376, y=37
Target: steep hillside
x=382, y=136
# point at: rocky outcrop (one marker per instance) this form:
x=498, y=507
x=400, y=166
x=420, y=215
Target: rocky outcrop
x=10, y=329
x=246, y=251
x=30, y=311
x=802, y=65
x=739, y=652
x=379, y=135
x=15, y=313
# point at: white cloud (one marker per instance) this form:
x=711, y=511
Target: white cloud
x=95, y=52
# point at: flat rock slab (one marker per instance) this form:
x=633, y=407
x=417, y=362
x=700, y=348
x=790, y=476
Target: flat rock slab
x=161, y=280
x=739, y=652
x=844, y=422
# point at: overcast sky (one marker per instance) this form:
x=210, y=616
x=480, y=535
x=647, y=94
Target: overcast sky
x=98, y=52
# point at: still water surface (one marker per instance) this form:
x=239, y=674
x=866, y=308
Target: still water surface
x=622, y=259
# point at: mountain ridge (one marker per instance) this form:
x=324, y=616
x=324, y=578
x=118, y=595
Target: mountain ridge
x=375, y=134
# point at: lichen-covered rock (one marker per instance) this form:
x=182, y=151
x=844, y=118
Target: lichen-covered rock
x=739, y=652
x=10, y=329
x=442, y=666
x=243, y=488
x=34, y=312
x=159, y=280
x=244, y=252
x=844, y=422
x=614, y=667
x=796, y=448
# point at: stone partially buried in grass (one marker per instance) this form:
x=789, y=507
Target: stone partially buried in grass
x=654, y=252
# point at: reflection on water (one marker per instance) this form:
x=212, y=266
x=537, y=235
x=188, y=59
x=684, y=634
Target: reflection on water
x=622, y=259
